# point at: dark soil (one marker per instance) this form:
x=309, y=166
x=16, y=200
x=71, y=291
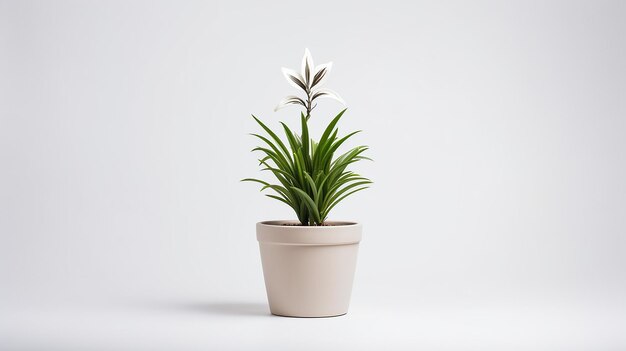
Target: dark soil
x=300, y=225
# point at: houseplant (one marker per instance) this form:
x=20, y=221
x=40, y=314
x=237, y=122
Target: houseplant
x=309, y=264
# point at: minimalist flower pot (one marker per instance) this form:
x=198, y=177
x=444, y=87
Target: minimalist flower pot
x=309, y=264
x=308, y=270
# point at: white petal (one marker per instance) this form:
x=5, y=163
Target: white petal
x=327, y=93
x=289, y=100
x=323, y=70
x=307, y=58
x=294, y=78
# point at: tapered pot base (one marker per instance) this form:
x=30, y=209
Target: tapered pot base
x=332, y=316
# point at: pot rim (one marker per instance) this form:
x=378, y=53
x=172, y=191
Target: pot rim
x=281, y=224
x=272, y=232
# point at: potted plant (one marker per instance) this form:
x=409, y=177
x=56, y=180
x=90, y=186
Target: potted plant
x=309, y=264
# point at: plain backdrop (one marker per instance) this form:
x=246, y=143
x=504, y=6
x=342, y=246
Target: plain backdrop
x=497, y=219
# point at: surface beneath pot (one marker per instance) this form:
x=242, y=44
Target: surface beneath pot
x=227, y=323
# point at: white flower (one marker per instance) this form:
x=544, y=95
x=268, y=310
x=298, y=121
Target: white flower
x=310, y=81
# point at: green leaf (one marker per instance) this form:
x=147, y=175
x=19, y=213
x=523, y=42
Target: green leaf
x=293, y=142
x=332, y=198
x=309, y=203
x=312, y=185
x=286, y=174
x=330, y=127
x=341, y=198
x=280, y=199
x=284, y=158
x=273, y=135
x=254, y=180
x=338, y=143
x=280, y=190
x=274, y=157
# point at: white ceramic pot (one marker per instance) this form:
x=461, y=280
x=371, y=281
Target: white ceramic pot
x=308, y=270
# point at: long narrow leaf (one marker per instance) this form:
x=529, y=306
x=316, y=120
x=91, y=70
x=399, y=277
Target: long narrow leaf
x=341, y=198
x=313, y=186
x=334, y=197
x=280, y=199
x=254, y=180
x=280, y=162
x=284, y=158
x=272, y=134
x=331, y=127
x=310, y=204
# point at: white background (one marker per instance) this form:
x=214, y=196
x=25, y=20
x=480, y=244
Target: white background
x=497, y=219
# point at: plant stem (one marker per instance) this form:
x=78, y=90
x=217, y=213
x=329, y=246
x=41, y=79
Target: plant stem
x=308, y=104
